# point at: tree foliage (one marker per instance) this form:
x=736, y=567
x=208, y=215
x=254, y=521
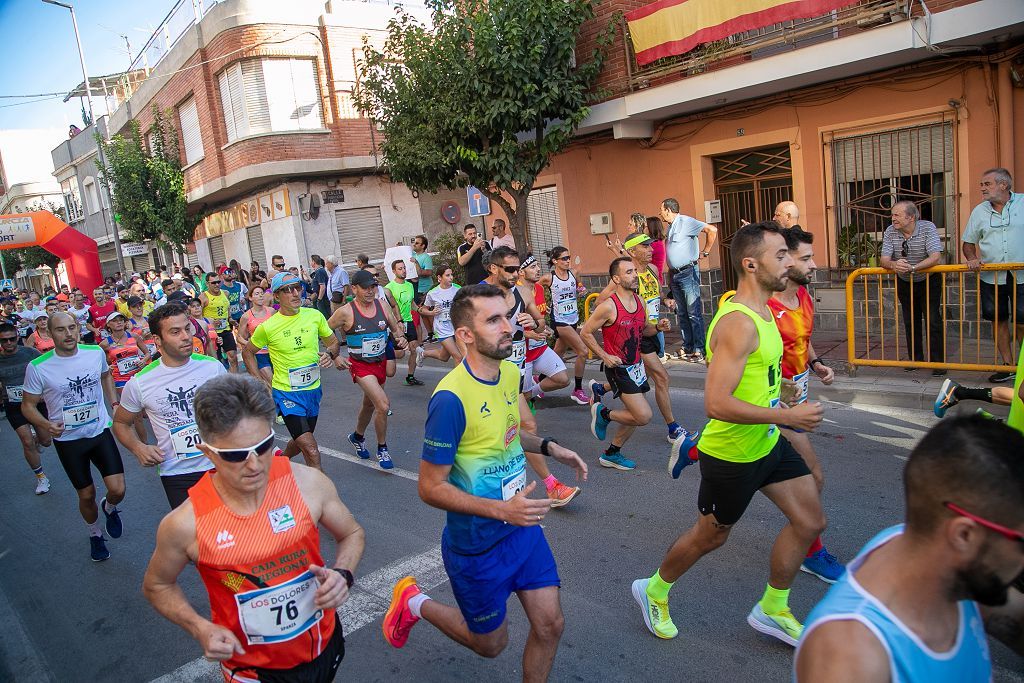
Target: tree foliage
x=484, y=96
x=147, y=187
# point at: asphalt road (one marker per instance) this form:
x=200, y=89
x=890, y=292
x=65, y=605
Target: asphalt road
x=68, y=619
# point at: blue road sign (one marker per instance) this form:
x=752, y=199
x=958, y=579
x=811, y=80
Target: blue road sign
x=479, y=203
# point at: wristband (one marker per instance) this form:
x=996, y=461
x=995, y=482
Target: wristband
x=345, y=574
x=814, y=360
x=332, y=354
x=544, y=447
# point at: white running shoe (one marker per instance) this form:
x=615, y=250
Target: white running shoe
x=42, y=485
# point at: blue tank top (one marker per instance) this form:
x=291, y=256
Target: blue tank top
x=909, y=658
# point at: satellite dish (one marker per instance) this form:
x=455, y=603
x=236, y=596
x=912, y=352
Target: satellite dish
x=576, y=260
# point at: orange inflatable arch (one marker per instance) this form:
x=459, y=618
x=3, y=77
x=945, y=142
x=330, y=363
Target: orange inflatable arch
x=41, y=228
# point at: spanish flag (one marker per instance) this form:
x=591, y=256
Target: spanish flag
x=673, y=27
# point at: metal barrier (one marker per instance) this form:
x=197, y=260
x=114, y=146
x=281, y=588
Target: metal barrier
x=877, y=342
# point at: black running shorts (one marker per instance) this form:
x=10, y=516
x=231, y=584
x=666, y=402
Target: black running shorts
x=176, y=486
x=100, y=450
x=227, y=341
x=16, y=418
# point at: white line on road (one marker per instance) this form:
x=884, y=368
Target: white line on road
x=371, y=463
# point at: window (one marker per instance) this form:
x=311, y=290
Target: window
x=72, y=199
x=545, y=220
x=269, y=95
x=92, y=196
x=188, y=118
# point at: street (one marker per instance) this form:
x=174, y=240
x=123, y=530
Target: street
x=68, y=619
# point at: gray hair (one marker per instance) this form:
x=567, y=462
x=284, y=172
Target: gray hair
x=908, y=207
x=222, y=402
x=1002, y=176
x=671, y=204
x=331, y=258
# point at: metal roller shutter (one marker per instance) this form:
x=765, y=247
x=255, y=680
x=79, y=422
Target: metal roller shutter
x=192, y=259
x=360, y=231
x=545, y=222
x=140, y=264
x=256, y=250
x=216, y=245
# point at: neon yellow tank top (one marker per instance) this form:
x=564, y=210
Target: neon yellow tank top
x=650, y=292
x=760, y=385
x=1016, y=418
x=217, y=310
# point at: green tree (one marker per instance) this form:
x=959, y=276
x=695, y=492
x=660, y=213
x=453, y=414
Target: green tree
x=147, y=186
x=484, y=96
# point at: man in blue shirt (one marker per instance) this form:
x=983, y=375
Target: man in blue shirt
x=682, y=247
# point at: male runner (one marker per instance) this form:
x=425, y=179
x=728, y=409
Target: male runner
x=638, y=247
x=793, y=310
x=365, y=322
x=623, y=321
x=73, y=380
x=250, y=528
x=474, y=468
x=404, y=292
x=217, y=307
x=292, y=337
x=98, y=312
x=165, y=389
x=914, y=605
x=81, y=313
x=548, y=366
x=236, y=292
x=740, y=450
x=13, y=361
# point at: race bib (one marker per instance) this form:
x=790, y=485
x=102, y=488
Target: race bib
x=220, y=324
x=151, y=348
x=279, y=613
x=513, y=484
x=802, y=382
x=304, y=377
x=653, y=309
x=234, y=309
x=567, y=307
x=518, y=352
x=374, y=346
x=81, y=415
x=128, y=364
x=637, y=372
x=186, y=440
x=15, y=393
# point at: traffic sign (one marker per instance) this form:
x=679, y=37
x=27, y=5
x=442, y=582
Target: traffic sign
x=7, y=284
x=479, y=203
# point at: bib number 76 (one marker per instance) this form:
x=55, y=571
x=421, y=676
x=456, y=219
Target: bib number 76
x=290, y=611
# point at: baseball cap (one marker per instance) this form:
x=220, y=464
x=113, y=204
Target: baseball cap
x=134, y=301
x=636, y=238
x=177, y=276
x=115, y=315
x=283, y=280
x=62, y=297
x=363, y=278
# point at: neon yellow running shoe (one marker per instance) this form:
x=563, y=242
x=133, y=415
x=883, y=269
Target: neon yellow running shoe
x=783, y=625
x=655, y=612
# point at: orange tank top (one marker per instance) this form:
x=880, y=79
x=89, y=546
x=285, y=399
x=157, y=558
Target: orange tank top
x=42, y=344
x=255, y=572
x=254, y=322
x=795, y=325
x=125, y=359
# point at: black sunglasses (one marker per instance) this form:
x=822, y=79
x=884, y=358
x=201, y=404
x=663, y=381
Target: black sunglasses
x=242, y=454
x=563, y=258
x=510, y=269
x=213, y=282
x=8, y=340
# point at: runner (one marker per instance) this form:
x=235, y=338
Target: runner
x=292, y=338
x=102, y=307
x=250, y=320
x=565, y=315
x=165, y=389
x=204, y=337
x=365, y=323
x=952, y=392
x=237, y=292
x=404, y=293
x=40, y=339
x=473, y=467
x=138, y=325
x=73, y=380
x=272, y=597
x=623, y=321
x=81, y=313
x=216, y=308
x=740, y=449
x=436, y=307
x=13, y=361
x=638, y=247
x=424, y=282
x=918, y=599
x=125, y=357
x=793, y=310
x=548, y=367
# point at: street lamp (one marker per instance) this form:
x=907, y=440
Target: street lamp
x=92, y=117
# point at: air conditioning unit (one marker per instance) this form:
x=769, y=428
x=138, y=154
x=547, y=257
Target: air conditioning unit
x=600, y=223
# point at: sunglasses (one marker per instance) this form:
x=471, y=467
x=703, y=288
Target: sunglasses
x=511, y=269
x=992, y=526
x=279, y=266
x=563, y=258
x=242, y=454
x=288, y=289
x=8, y=340
x=213, y=282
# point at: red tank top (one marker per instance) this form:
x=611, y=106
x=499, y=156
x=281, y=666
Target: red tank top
x=535, y=347
x=125, y=359
x=254, y=322
x=622, y=336
x=795, y=326
x=254, y=569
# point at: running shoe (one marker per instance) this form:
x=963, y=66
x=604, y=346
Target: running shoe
x=42, y=485
x=580, y=397
x=537, y=392
x=114, y=526
x=823, y=565
x=681, y=431
x=419, y=355
x=411, y=379
x=279, y=420
x=598, y=425
x=616, y=461
x=597, y=391
x=656, y=615
x=1000, y=377
x=683, y=454
x=946, y=397
x=98, y=549
x=399, y=619
x=783, y=626
x=359, y=445
x=384, y=459
x=697, y=357
x=560, y=494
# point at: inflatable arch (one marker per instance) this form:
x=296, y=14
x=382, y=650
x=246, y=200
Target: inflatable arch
x=43, y=229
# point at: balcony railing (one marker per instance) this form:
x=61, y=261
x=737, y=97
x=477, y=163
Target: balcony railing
x=764, y=42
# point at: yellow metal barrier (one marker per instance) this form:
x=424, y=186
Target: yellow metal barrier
x=881, y=315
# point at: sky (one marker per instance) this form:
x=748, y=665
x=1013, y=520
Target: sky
x=39, y=55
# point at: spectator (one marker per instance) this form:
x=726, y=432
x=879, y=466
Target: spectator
x=502, y=236
x=655, y=229
x=318, y=290
x=362, y=261
x=471, y=254
x=909, y=245
x=337, y=285
x=995, y=234
x=73, y=130
x=254, y=273
x=682, y=246
x=787, y=214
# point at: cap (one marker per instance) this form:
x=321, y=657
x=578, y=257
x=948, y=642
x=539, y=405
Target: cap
x=134, y=301
x=283, y=280
x=636, y=238
x=114, y=316
x=62, y=297
x=41, y=314
x=177, y=276
x=364, y=279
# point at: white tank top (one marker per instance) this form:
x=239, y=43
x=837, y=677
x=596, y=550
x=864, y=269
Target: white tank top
x=563, y=299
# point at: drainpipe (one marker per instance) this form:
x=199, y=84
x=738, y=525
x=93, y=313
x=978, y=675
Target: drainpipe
x=1004, y=90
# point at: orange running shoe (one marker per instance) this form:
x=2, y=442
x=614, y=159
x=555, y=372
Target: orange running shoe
x=560, y=494
x=399, y=619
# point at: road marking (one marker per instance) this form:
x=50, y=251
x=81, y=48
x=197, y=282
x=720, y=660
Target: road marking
x=367, y=603
x=370, y=463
